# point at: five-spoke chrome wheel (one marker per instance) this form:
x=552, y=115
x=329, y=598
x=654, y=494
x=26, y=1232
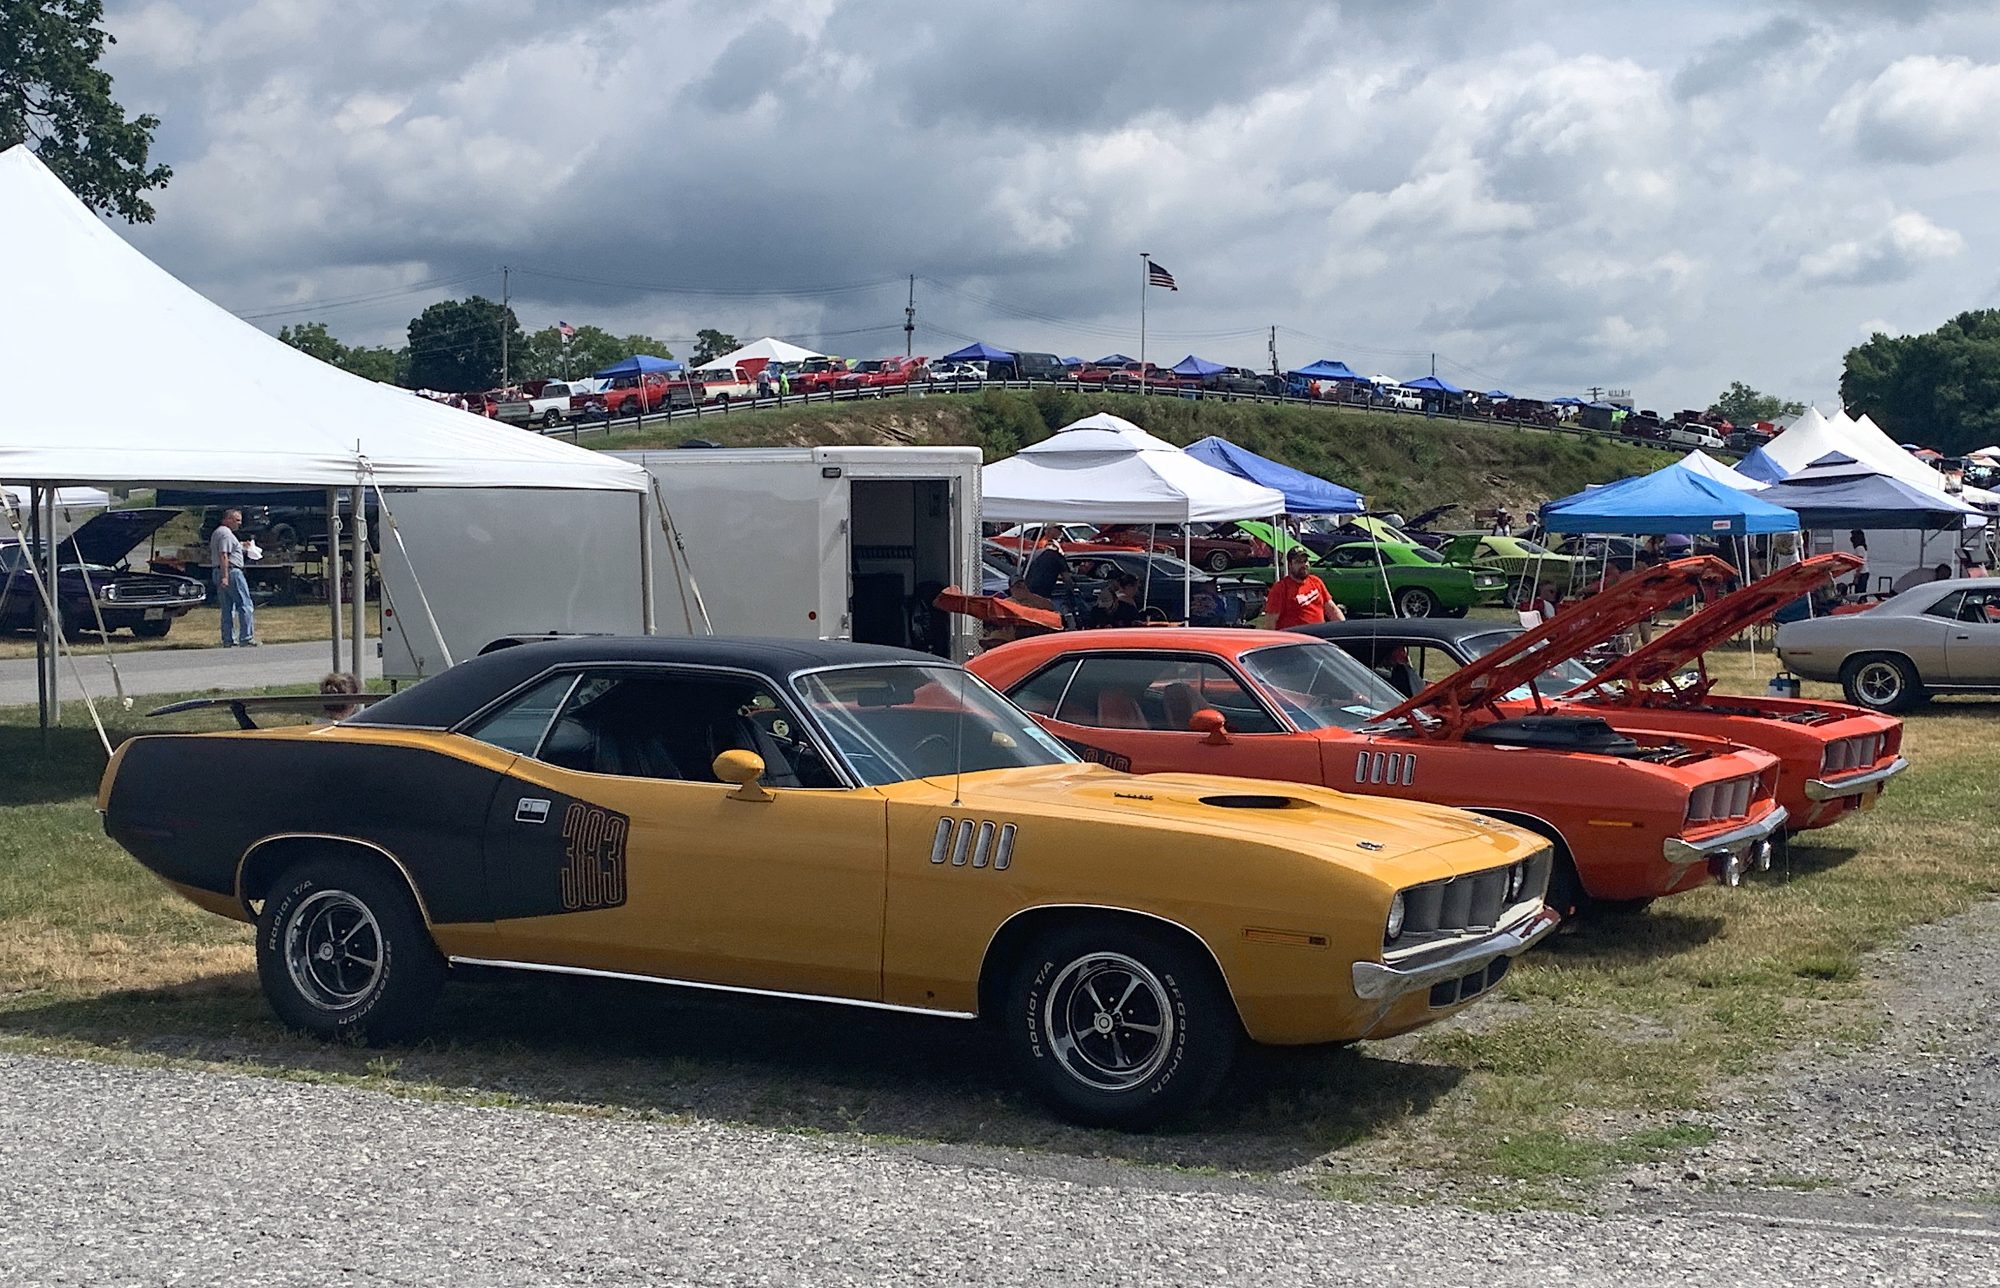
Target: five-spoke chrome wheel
x=333, y=949
x=1881, y=683
x=1109, y=1021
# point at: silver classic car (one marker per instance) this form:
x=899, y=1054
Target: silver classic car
x=1940, y=637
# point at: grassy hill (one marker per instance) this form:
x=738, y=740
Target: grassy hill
x=1400, y=462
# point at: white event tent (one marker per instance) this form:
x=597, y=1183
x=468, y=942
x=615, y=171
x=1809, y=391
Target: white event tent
x=766, y=350
x=1813, y=435
x=1707, y=466
x=279, y=417
x=1105, y=469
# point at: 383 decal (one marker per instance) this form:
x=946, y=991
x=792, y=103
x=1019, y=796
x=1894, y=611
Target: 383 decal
x=593, y=872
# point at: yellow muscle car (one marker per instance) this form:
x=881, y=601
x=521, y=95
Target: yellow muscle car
x=829, y=821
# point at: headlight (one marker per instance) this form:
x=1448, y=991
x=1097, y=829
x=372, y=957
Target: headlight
x=110, y=593
x=1517, y=879
x=1394, y=930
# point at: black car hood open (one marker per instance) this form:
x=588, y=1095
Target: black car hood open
x=109, y=537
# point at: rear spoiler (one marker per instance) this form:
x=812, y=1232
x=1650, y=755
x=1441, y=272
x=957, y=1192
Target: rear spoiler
x=308, y=703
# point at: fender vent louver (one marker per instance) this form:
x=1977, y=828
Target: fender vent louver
x=973, y=843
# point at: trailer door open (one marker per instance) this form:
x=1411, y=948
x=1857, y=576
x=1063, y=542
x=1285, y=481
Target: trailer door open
x=900, y=555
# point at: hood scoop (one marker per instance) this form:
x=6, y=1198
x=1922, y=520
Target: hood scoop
x=1591, y=734
x=1243, y=800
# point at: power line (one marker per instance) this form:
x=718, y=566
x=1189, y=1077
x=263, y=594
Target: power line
x=720, y=292
x=349, y=301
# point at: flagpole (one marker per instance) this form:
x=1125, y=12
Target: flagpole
x=1145, y=277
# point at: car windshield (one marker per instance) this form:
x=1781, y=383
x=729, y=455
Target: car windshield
x=1561, y=677
x=1532, y=547
x=898, y=722
x=868, y=366
x=1320, y=685
x=1424, y=554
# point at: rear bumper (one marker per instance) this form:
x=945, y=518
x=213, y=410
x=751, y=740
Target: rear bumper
x=1823, y=789
x=1737, y=841
x=1375, y=982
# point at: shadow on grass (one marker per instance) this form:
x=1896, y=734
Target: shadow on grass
x=786, y=1066
x=1609, y=940
x=66, y=769
x=1799, y=859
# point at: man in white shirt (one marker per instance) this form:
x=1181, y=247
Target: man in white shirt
x=232, y=586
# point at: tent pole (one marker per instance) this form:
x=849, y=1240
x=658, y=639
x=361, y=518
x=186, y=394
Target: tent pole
x=333, y=571
x=645, y=565
x=1187, y=575
x=358, y=552
x=55, y=606
x=42, y=694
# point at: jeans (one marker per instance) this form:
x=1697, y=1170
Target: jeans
x=237, y=610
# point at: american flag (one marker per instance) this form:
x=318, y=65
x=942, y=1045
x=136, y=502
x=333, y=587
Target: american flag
x=1157, y=276
x=567, y=331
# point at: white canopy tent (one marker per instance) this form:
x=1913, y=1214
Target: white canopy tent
x=1707, y=466
x=280, y=418
x=766, y=349
x=1813, y=435
x=1105, y=469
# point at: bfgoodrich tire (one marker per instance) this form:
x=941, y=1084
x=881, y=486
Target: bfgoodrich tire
x=342, y=952
x=1118, y=1025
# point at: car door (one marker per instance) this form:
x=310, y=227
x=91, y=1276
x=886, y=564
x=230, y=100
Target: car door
x=1131, y=711
x=613, y=847
x=1353, y=577
x=1972, y=648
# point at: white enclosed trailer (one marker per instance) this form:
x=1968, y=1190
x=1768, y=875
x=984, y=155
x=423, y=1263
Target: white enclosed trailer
x=795, y=543
x=819, y=542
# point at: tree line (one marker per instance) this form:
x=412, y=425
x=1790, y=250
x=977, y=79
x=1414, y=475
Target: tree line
x=456, y=346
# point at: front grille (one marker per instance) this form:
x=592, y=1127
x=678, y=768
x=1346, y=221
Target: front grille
x=1441, y=911
x=1722, y=801
x=1453, y=991
x=1844, y=755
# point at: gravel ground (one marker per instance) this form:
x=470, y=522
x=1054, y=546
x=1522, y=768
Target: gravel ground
x=1914, y=1117
x=113, y=1175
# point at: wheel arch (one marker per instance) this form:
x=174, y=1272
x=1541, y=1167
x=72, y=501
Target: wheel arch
x=265, y=859
x=1023, y=927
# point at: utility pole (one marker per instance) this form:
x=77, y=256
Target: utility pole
x=1274, y=351
x=503, y=332
x=1434, y=365
x=1596, y=392
x=910, y=320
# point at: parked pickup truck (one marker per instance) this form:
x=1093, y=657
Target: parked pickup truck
x=551, y=405
x=627, y=397
x=725, y=385
x=883, y=373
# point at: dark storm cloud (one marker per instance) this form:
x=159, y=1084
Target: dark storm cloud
x=1399, y=176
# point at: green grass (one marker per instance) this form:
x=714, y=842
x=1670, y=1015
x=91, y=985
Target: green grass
x=1400, y=462
x=1601, y=1051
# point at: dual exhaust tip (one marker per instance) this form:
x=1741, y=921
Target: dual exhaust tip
x=1730, y=867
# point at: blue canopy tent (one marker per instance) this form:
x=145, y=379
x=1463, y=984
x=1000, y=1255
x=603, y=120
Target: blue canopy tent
x=1566, y=400
x=1326, y=369
x=979, y=352
x=1193, y=366
x=636, y=365
x=1433, y=385
x=1070, y=362
x=1498, y=395
x=1759, y=465
x=1113, y=360
x=1304, y=493
x=1668, y=500
x=1836, y=491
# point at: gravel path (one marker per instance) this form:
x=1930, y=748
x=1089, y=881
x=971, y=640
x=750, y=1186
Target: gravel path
x=1915, y=1116
x=112, y=1175
x=181, y=670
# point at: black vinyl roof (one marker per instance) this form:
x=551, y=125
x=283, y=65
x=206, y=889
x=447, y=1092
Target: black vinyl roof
x=447, y=699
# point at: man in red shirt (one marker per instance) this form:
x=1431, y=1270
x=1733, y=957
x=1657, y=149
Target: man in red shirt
x=1299, y=598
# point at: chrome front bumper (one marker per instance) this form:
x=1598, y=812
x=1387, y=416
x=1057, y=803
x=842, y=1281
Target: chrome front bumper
x=1821, y=789
x=1374, y=981
x=1681, y=853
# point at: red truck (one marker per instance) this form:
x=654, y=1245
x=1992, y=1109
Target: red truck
x=882, y=373
x=819, y=375
x=628, y=397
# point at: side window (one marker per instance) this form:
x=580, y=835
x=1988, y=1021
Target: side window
x=1947, y=607
x=518, y=727
x=1159, y=694
x=1041, y=692
x=667, y=725
x=1981, y=606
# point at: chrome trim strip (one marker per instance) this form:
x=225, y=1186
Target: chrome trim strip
x=960, y=841
x=1003, y=850
x=1376, y=982
x=547, y=969
x=1821, y=789
x=1680, y=853
x=982, y=843
x=942, y=839
x=244, y=861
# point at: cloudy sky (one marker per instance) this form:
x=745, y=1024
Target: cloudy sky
x=1548, y=194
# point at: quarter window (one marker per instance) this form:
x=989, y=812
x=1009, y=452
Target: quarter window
x=518, y=727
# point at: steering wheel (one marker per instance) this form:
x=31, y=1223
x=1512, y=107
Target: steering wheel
x=917, y=752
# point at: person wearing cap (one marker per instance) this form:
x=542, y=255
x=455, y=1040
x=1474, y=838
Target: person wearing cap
x=1300, y=598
